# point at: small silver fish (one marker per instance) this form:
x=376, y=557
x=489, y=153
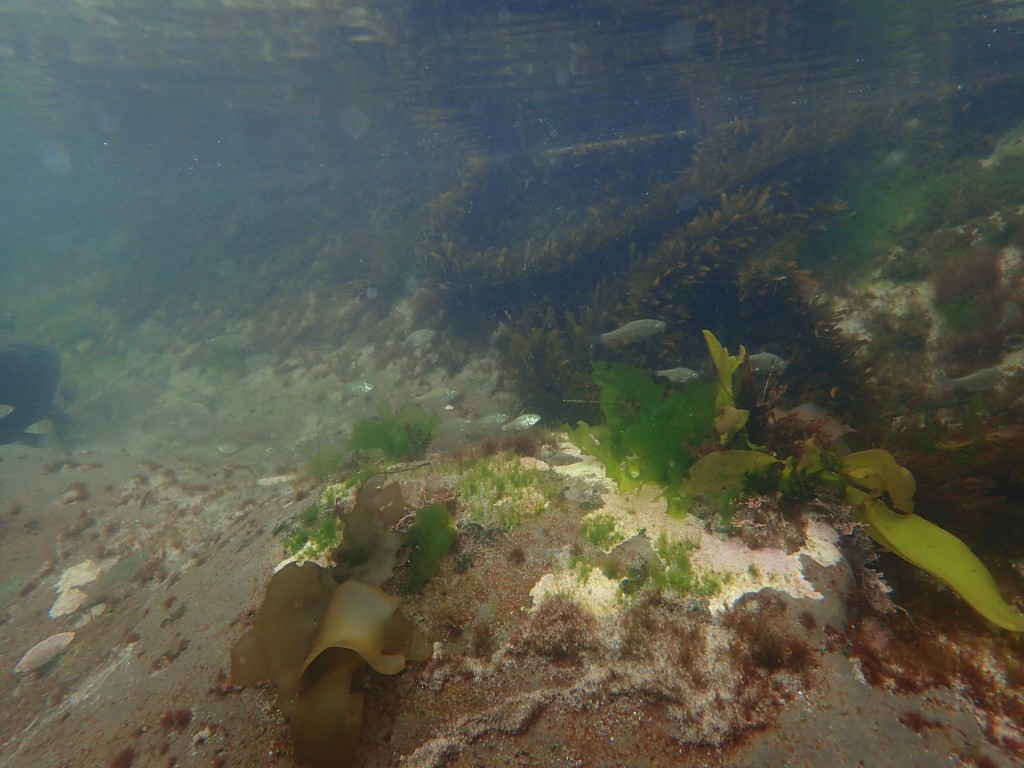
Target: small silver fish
x=488, y=420
x=979, y=381
x=41, y=427
x=419, y=337
x=438, y=397
x=679, y=375
x=6, y=410
x=766, y=362
x=525, y=421
x=357, y=388
x=631, y=333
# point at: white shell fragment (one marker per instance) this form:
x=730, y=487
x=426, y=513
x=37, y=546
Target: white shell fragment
x=276, y=480
x=69, y=597
x=41, y=654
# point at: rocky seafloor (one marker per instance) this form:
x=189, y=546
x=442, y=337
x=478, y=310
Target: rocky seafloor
x=152, y=534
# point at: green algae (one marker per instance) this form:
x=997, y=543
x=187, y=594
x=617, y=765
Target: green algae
x=500, y=491
x=941, y=554
x=431, y=536
x=722, y=476
x=600, y=530
x=672, y=570
x=635, y=448
x=398, y=435
x=314, y=531
x=647, y=431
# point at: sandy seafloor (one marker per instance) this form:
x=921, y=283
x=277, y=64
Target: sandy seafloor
x=165, y=506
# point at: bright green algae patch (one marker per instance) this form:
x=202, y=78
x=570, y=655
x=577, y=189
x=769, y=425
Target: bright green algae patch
x=647, y=429
x=499, y=490
x=600, y=530
x=673, y=571
x=313, y=531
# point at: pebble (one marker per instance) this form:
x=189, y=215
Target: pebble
x=277, y=479
x=43, y=653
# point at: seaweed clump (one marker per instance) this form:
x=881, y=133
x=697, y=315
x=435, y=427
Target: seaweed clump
x=649, y=432
x=318, y=625
x=545, y=359
x=879, y=490
x=399, y=436
x=431, y=535
x=729, y=229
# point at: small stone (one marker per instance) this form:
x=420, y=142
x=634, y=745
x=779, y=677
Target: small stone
x=41, y=654
x=277, y=479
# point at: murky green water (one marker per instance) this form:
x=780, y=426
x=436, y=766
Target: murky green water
x=273, y=242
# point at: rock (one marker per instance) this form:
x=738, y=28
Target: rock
x=41, y=654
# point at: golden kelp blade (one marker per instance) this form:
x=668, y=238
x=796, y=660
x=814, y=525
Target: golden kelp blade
x=725, y=364
x=940, y=553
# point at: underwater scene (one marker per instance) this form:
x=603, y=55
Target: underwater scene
x=436, y=383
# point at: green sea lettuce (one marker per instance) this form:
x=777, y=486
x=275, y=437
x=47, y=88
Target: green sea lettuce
x=648, y=431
